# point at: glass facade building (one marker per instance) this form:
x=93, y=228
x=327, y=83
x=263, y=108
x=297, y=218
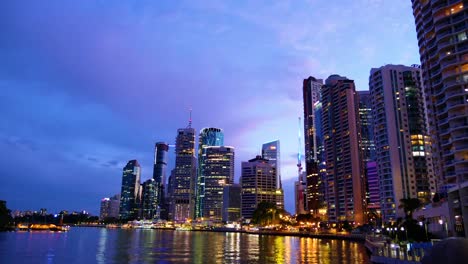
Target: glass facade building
x=208, y=137
x=232, y=203
x=272, y=152
x=183, y=179
x=130, y=192
x=159, y=175
x=149, y=201
x=218, y=171
x=311, y=95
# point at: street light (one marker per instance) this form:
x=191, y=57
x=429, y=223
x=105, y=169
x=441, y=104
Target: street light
x=441, y=222
x=406, y=231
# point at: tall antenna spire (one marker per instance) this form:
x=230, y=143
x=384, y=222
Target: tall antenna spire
x=190, y=119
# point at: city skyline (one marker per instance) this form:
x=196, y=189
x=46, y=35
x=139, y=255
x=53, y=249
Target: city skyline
x=84, y=108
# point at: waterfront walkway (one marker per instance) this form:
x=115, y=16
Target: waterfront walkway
x=389, y=253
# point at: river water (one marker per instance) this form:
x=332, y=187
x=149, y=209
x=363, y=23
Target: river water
x=100, y=245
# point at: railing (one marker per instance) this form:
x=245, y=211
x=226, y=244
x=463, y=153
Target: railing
x=394, y=253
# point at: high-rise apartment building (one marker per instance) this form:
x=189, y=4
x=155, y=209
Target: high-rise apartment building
x=183, y=180
x=208, y=137
x=311, y=95
x=218, y=171
x=373, y=188
x=402, y=143
x=130, y=193
x=443, y=46
x=258, y=184
x=271, y=151
x=345, y=171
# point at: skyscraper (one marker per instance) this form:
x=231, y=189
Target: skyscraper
x=159, y=169
x=300, y=195
x=311, y=95
x=130, y=194
x=208, y=137
x=258, y=185
x=367, y=132
x=231, y=203
x=341, y=129
x=218, y=171
x=159, y=176
x=149, y=201
x=322, y=170
x=271, y=151
x=443, y=47
x=368, y=150
x=105, y=209
x=109, y=207
x=182, y=205
x=403, y=149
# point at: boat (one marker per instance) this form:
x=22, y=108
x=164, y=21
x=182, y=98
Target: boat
x=42, y=227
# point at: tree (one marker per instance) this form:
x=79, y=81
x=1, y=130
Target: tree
x=266, y=213
x=5, y=216
x=409, y=205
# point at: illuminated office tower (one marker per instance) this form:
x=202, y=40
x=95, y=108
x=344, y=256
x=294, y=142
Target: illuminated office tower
x=368, y=151
x=271, y=151
x=183, y=179
x=232, y=203
x=402, y=143
x=311, y=95
x=345, y=179
x=130, y=193
x=110, y=207
x=367, y=132
x=105, y=209
x=149, y=201
x=159, y=170
x=258, y=185
x=441, y=28
x=208, y=137
x=218, y=171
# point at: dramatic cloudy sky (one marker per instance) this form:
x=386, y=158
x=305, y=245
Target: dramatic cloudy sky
x=87, y=85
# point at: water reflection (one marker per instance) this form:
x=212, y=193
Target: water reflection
x=93, y=245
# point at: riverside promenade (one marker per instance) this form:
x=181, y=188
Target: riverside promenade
x=385, y=252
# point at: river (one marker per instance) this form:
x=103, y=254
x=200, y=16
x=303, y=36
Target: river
x=101, y=245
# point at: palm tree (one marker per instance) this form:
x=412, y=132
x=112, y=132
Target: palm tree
x=266, y=213
x=409, y=205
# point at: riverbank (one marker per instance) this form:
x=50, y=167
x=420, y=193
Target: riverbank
x=348, y=237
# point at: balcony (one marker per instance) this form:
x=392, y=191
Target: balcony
x=450, y=84
x=461, y=146
x=445, y=44
x=450, y=73
x=441, y=26
x=454, y=93
x=449, y=62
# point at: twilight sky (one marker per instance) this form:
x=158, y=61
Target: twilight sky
x=88, y=85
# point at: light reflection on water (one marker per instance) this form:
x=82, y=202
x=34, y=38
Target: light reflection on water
x=99, y=245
